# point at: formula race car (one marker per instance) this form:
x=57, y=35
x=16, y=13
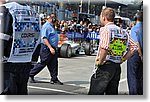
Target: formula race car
x=68, y=48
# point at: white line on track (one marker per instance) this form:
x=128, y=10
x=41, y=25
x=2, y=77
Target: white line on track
x=50, y=89
x=57, y=90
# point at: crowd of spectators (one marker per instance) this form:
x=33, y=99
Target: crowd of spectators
x=75, y=26
x=81, y=26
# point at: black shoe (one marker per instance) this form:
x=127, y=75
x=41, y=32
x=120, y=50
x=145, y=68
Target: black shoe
x=31, y=79
x=57, y=82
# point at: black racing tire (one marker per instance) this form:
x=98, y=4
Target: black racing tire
x=66, y=51
x=88, y=49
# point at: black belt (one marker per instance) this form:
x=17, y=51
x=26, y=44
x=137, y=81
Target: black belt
x=47, y=46
x=55, y=48
x=110, y=62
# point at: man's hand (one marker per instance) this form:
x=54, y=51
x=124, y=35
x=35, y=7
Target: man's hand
x=49, y=46
x=52, y=50
x=98, y=62
x=141, y=58
x=122, y=60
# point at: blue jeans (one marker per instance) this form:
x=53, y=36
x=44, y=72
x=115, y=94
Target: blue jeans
x=135, y=75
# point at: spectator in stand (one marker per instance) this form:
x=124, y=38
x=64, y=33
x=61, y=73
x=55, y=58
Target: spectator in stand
x=90, y=27
x=80, y=27
x=65, y=28
x=62, y=24
x=85, y=27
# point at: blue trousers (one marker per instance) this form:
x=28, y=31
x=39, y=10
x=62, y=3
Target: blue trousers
x=49, y=60
x=135, y=75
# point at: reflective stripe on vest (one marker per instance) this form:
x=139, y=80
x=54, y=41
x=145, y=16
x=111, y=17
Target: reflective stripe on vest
x=4, y=36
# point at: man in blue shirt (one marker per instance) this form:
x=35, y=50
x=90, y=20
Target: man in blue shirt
x=135, y=63
x=48, y=51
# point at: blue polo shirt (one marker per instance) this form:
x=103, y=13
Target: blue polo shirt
x=137, y=33
x=49, y=32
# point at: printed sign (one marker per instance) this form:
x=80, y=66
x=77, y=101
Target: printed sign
x=26, y=32
x=88, y=35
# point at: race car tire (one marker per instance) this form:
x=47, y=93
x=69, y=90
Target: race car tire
x=65, y=51
x=88, y=49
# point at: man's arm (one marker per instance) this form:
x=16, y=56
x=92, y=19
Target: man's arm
x=128, y=55
x=104, y=46
x=44, y=35
x=100, y=59
x=49, y=46
x=133, y=48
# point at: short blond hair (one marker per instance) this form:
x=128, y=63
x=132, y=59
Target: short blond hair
x=109, y=13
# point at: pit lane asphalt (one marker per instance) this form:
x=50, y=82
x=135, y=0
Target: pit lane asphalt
x=75, y=73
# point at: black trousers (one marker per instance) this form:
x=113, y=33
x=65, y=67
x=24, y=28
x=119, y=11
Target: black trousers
x=49, y=60
x=15, y=78
x=106, y=80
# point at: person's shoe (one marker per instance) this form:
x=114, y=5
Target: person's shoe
x=31, y=79
x=57, y=82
